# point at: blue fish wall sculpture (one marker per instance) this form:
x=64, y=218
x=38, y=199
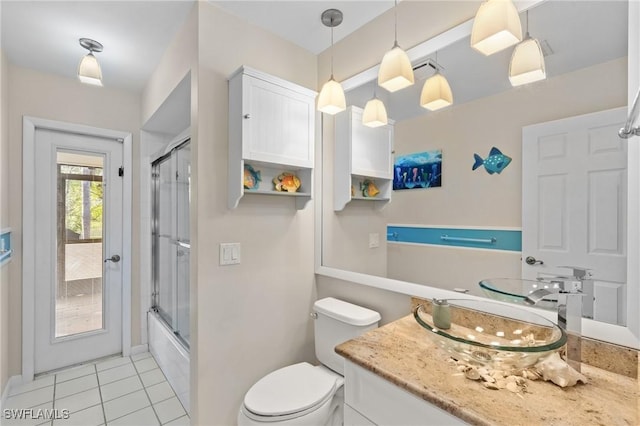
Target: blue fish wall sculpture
x=494, y=163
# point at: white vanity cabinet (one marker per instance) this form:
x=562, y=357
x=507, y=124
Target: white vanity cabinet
x=371, y=400
x=271, y=128
x=361, y=153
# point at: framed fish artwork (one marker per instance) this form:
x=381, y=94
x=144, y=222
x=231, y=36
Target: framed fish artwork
x=418, y=170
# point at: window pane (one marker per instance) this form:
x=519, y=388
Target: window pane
x=80, y=254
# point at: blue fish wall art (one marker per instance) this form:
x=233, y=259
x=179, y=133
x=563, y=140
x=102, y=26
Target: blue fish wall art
x=496, y=162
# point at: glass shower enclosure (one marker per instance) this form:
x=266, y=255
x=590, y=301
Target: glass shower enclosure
x=171, y=245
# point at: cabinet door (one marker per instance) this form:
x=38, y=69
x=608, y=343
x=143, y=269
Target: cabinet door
x=370, y=149
x=278, y=124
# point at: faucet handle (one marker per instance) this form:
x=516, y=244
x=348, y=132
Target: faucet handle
x=579, y=272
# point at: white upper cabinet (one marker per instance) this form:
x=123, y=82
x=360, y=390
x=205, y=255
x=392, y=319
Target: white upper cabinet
x=361, y=154
x=272, y=129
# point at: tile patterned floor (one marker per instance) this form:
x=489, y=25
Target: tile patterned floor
x=125, y=391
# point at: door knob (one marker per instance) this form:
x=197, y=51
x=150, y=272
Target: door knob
x=532, y=261
x=115, y=259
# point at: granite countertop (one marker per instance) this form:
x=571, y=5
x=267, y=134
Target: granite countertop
x=401, y=353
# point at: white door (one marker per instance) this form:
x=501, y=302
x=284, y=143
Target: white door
x=78, y=228
x=574, y=203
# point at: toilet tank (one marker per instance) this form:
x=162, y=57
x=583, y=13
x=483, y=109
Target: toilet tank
x=338, y=321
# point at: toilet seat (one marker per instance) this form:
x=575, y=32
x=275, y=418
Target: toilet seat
x=290, y=392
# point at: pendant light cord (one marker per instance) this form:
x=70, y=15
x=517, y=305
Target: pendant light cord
x=331, y=48
x=395, y=18
x=527, y=33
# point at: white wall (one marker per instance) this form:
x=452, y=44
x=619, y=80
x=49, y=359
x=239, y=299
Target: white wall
x=56, y=98
x=4, y=220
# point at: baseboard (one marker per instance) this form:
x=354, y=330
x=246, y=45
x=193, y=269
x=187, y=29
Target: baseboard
x=139, y=349
x=12, y=382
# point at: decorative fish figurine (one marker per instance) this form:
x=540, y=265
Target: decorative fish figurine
x=496, y=162
x=252, y=177
x=286, y=182
x=369, y=188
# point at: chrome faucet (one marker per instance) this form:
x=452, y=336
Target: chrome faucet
x=572, y=293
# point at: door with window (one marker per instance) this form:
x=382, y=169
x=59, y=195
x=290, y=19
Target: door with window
x=78, y=228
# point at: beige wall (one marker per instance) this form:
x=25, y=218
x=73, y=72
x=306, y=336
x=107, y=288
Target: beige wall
x=56, y=98
x=254, y=317
x=4, y=220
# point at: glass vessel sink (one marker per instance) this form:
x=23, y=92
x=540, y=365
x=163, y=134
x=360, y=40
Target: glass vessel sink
x=515, y=290
x=491, y=334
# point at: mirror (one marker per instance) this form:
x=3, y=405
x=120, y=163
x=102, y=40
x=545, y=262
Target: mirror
x=586, y=62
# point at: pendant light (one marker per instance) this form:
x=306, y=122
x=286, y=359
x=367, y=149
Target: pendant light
x=527, y=61
x=331, y=99
x=495, y=27
x=89, y=69
x=375, y=113
x=395, y=71
x=436, y=92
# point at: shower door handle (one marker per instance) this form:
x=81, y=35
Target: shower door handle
x=115, y=259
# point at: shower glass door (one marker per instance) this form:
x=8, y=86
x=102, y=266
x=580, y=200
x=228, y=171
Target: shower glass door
x=171, y=244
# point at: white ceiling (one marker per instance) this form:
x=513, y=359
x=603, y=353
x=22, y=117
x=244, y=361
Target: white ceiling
x=43, y=35
x=299, y=21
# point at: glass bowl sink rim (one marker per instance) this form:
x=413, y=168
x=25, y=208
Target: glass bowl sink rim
x=521, y=315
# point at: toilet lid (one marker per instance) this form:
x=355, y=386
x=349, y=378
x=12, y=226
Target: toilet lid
x=290, y=389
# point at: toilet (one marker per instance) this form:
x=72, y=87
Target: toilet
x=304, y=394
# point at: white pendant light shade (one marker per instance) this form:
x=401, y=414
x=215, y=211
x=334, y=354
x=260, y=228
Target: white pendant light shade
x=495, y=27
x=395, y=71
x=527, y=63
x=331, y=98
x=375, y=114
x=436, y=93
x=89, y=70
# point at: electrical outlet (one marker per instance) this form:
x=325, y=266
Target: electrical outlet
x=374, y=240
x=229, y=254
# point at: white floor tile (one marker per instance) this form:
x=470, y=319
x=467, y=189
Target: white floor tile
x=152, y=377
x=33, y=418
x=141, y=355
x=74, y=373
x=160, y=392
x=80, y=384
x=114, y=390
x=181, y=421
x=113, y=362
x=31, y=398
x=92, y=416
x=126, y=404
x=38, y=383
x=117, y=373
x=144, y=417
x=146, y=364
x=79, y=401
x=169, y=410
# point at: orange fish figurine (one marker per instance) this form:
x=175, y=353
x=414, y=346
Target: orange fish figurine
x=286, y=182
x=369, y=188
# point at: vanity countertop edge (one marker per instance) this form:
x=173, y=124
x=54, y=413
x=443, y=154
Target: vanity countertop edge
x=402, y=354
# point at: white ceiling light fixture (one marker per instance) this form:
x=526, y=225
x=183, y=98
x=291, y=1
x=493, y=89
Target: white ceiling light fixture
x=331, y=99
x=395, y=71
x=89, y=71
x=495, y=27
x=375, y=113
x=436, y=92
x=527, y=61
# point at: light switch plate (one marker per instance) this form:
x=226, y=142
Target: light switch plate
x=229, y=254
x=374, y=240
